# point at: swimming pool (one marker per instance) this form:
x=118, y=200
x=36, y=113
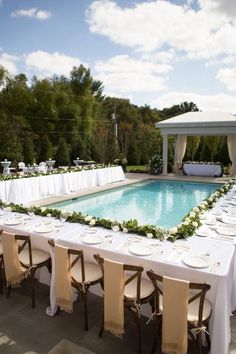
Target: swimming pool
x=160, y=203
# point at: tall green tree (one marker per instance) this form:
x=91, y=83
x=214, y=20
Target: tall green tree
x=46, y=149
x=29, y=153
x=62, y=153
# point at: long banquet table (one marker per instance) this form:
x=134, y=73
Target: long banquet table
x=222, y=279
x=25, y=190
x=195, y=169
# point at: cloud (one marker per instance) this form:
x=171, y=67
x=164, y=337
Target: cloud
x=149, y=26
x=47, y=64
x=123, y=74
x=218, y=102
x=32, y=13
x=228, y=77
x=8, y=62
x=219, y=6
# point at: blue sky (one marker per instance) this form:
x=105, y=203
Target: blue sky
x=155, y=52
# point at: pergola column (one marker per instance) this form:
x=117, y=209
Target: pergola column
x=165, y=153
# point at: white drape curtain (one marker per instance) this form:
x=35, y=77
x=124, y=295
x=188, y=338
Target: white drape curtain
x=231, y=142
x=180, y=148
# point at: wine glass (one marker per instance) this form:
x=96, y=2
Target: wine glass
x=63, y=216
x=31, y=212
x=166, y=234
x=115, y=228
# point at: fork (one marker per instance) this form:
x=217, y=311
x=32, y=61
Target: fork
x=215, y=266
x=105, y=244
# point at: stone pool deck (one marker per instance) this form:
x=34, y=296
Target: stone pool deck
x=27, y=331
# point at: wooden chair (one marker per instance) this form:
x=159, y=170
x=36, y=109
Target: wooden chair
x=137, y=292
x=199, y=311
x=31, y=259
x=1, y=268
x=83, y=275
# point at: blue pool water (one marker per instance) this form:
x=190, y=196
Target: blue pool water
x=160, y=203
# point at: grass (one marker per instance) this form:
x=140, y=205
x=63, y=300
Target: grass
x=137, y=168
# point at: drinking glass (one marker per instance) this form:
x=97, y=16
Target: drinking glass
x=166, y=234
x=31, y=212
x=63, y=216
x=115, y=228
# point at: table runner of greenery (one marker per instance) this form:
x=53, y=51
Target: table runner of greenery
x=185, y=229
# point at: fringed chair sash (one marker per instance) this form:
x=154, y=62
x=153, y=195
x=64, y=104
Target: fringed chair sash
x=63, y=279
x=114, y=297
x=175, y=311
x=15, y=273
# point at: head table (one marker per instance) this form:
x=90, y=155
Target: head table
x=25, y=190
x=166, y=258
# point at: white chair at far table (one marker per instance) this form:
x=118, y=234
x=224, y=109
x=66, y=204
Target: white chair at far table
x=42, y=167
x=21, y=167
x=73, y=272
x=124, y=287
x=21, y=261
x=180, y=311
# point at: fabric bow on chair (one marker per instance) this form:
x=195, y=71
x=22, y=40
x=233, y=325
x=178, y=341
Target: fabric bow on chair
x=123, y=287
x=22, y=261
x=72, y=271
x=180, y=306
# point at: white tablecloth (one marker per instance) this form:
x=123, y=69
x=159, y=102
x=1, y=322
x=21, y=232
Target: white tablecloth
x=202, y=170
x=25, y=190
x=222, y=281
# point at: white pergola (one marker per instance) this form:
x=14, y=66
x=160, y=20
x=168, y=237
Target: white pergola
x=197, y=123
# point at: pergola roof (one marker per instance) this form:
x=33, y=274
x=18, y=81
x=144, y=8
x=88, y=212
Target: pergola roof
x=199, y=123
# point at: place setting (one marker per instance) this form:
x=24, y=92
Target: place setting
x=179, y=249
x=96, y=239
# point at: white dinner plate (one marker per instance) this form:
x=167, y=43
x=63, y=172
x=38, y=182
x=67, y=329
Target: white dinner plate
x=197, y=260
x=90, y=230
x=140, y=250
x=217, y=212
x=229, y=219
x=202, y=232
x=93, y=239
x=225, y=231
x=13, y=222
x=58, y=224
x=43, y=229
x=210, y=221
x=134, y=238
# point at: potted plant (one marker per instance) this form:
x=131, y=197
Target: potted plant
x=121, y=161
x=155, y=165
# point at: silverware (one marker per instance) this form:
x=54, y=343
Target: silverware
x=105, y=244
x=215, y=266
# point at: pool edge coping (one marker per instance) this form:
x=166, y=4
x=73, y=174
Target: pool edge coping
x=131, y=178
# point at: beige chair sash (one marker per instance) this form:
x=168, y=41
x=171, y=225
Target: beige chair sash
x=175, y=312
x=63, y=279
x=15, y=273
x=114, y=297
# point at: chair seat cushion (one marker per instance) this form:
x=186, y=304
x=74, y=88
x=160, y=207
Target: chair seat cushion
x=146, y=289
x=38, y=256
x=193, y=310
x=92, y=272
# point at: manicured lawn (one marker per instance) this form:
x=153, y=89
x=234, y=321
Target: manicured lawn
x=137, y=168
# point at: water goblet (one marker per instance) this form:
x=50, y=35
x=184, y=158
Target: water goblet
x=115, y=228
x=63, y=216
x=31, y=212
x=166, y=234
